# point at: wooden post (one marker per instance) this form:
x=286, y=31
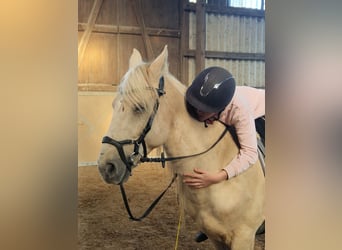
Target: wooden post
x=86, y=35
x=184, y=44
x=137, y=8
x=200, y=36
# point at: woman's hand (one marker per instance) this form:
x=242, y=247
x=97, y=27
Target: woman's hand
x=201, y=178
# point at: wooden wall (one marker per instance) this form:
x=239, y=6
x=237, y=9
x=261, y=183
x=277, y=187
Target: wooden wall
x=110, y=29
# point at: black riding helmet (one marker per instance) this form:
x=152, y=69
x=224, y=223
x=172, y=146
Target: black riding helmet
x=210, y=92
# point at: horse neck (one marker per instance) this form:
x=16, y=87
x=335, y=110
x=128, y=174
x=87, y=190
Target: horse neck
x=188, y=136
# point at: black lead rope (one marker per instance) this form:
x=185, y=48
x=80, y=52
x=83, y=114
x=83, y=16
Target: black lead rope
x=149, y=209
x=162, y=160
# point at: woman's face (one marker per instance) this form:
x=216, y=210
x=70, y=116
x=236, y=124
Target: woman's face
x=209, y=118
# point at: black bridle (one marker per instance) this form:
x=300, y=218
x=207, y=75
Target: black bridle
x=135, y=157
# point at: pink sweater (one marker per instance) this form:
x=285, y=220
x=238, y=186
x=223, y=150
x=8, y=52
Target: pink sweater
x=248, y=104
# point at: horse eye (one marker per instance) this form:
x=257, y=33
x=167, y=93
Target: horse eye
x=138, y=109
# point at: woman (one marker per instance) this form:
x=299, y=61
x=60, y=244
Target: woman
x=213, y=95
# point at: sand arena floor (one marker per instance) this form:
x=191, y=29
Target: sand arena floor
x=103, y=222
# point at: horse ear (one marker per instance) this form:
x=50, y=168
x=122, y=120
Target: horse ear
x=135, y=58
x=160, y=65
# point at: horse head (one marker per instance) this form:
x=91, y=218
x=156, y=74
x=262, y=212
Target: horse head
x=136, y=126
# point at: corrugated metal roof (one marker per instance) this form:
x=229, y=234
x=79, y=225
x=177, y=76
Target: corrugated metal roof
x=250, y=73
x=235, y=34
x=228, y=33
x=192, y=30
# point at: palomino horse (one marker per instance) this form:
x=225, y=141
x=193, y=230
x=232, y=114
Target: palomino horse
x=149, y=111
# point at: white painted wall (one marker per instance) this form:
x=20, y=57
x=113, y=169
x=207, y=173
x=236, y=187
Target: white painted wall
x=94, y=115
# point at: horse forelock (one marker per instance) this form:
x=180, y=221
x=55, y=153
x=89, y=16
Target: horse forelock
x=135, y=88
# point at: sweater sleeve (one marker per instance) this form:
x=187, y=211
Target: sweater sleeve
x=243, y=121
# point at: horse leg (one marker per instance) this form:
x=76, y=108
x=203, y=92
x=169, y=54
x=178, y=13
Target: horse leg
x=243, y=240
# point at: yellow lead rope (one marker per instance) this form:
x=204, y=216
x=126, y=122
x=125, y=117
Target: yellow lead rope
x=178, y=229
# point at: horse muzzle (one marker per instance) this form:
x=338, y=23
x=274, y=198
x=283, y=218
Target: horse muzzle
x=113, y=172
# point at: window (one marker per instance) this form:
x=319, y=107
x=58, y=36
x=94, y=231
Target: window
x=251, y=4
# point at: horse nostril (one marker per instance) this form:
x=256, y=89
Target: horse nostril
x=110, y=168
